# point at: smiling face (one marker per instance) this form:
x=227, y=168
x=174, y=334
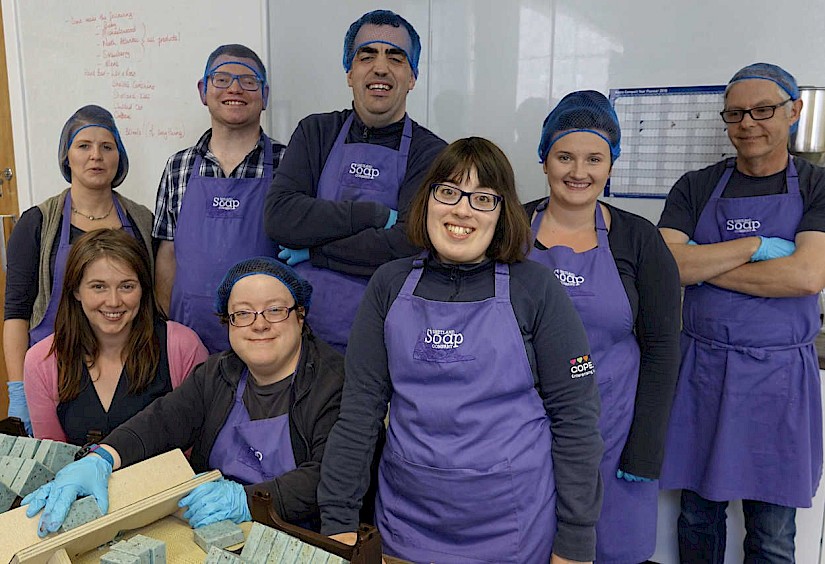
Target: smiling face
x=577, y=169
x=763, y=143
x=380, y=79
x=460, y=234
x=270, y=350
x=233, y=107
x=110, y=295
x=93, y=158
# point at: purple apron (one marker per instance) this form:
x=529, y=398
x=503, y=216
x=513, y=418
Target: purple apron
x=746, y=420
x=357, y=172
x=46, y=325
x=466, y=475
x=220, y=223
x=626, y=530
x=251, y=452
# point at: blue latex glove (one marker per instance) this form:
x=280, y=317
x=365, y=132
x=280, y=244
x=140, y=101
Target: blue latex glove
x=391, y=219
x=773, y=247
x=87, y=476
x=692, y=242
x=18, y=406
x=631, y=477
x=216, y=501
x=293, y=256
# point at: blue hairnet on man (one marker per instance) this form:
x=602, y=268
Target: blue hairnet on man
x=748, y=234
x=208, y=210
x=338, y=205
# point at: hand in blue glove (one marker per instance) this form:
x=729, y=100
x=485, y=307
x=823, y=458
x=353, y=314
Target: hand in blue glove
x=692, y=242
x=631, y=477
x=18, y=406
x=87, y=476
x=773, y=247
x=391, y=219
x=216, y=501
x=293, y=256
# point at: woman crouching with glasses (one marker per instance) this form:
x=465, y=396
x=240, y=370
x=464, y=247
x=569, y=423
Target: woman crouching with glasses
x=493, y=445
x=260, y=412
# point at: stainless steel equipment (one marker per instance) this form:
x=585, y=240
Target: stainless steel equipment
x=808, y=141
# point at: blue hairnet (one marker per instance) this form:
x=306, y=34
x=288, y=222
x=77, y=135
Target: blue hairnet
x=774, y=73
x=300, y=289
x=237, y=51
x=91, y=116
x=585, y=110
x=382, y=26
x=767, y=71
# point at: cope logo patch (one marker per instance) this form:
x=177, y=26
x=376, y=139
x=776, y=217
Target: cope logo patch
x=581, y=366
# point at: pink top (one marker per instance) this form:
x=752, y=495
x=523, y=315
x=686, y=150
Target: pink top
x=183, y=348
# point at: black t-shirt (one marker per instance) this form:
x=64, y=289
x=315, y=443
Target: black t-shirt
x=650, y=278
x=690, y=194
x=268, y=401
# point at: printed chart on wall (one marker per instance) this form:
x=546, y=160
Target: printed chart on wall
x=139, y=60
x=665, y=133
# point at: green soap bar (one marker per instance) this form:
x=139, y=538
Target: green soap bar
x=31, y=476
x=253, y=540
x=24, y=447
x=6, y=442
x=6, y=498
x=9, y=466
x=220, y=534
x=116, y=557
x=54, y=455
x=321, y=557
x=127, y=547
x=264, y=545
x=81, y=512
x=155, y=548
x=279, y=546
x=293, y=548
x=306, y=553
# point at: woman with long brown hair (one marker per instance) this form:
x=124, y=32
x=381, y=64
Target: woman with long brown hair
x=113, y=351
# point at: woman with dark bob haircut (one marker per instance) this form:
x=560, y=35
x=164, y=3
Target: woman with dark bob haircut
x=112, y=352
x=493, y=446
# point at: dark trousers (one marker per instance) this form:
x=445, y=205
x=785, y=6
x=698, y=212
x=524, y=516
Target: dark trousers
x=770, y=531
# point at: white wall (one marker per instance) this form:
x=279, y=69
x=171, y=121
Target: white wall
x=494, y=68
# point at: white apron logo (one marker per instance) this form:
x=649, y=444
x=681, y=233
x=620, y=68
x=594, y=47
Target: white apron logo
x=743, y=225
x=568, y=278
x=581, y=366
x=363, y=170
x=443, y=338
x=226, y=204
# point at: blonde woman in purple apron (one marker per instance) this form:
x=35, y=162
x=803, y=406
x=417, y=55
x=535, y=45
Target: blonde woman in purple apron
x=747, y=234
x=492, y=447
x=260, y=412
x=92, y=158
x=624, y=283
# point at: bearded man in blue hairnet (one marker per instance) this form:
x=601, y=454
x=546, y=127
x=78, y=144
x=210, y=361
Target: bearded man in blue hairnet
x=208, y=210
x=338, y=204
x=747, y=234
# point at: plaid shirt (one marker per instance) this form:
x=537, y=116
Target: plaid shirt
x=179, y=169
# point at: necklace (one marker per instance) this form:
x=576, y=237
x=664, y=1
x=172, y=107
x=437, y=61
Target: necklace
x=91, y=217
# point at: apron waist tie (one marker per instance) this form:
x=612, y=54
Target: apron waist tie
x=759, y=353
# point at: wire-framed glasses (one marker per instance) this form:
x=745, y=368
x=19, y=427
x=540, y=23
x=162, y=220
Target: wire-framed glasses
x=275, y=314
x=451, y=195
x=759, y=113
x=221, y=79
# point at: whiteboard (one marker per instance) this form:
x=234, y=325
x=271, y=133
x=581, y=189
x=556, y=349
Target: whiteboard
x=140, y=60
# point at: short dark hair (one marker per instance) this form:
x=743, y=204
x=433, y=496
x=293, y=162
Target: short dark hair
x=512, y=237
x=236, y=50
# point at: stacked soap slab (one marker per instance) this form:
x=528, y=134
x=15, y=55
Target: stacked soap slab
x=266, y=545
x=81, y=512
x=137, y=550
x=26, y=464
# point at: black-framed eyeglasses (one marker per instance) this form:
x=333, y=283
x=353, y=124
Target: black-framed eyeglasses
x=272, y=314
x=221, y=79
x=451, y=195
x=759, y=113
